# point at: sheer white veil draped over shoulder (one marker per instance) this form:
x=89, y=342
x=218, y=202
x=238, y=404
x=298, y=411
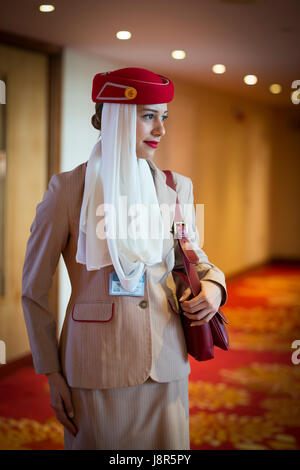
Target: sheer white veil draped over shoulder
x=114, y=172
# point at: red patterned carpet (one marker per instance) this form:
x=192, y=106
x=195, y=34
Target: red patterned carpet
x=245, y=398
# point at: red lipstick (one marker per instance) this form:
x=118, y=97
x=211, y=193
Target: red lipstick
x=152, y=143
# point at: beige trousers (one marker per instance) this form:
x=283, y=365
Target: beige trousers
x=152, y=415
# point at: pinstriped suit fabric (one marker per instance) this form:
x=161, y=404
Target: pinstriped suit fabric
x=151, y=415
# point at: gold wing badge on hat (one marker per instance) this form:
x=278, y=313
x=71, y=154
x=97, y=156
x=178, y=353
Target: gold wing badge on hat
x=130, y=93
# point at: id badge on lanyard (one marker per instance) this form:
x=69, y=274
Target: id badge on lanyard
x=115, y=287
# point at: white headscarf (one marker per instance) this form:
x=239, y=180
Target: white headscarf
x=114, y=170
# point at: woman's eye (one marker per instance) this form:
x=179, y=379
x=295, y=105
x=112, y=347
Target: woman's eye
x=147, y=115
x=151, y=116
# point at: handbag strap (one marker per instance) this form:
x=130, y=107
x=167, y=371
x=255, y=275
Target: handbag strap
x=189, y=256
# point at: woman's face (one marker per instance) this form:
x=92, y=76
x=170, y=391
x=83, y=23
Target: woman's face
x=149, y=128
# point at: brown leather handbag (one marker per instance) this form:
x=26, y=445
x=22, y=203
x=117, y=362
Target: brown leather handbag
x=200, y=340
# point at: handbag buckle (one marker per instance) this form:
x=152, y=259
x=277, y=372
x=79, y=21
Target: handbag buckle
x=174, y=227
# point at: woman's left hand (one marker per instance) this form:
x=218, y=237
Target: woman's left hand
x=206, y=303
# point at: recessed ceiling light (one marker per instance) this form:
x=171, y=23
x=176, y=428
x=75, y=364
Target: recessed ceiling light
x=275, y=88
x=123, y=35
x=178, y=54
x=46, y=8
x=218, y=68
x=250, y=79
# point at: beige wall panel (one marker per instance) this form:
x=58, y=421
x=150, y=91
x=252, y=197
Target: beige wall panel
x=26, y=175
x=285, y=213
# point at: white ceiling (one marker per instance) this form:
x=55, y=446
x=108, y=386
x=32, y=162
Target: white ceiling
x=259, y=37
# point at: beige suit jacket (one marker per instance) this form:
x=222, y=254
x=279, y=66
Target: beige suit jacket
x=106, y=341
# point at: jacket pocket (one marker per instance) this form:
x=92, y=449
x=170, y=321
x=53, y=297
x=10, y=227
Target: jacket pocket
x=98, y=311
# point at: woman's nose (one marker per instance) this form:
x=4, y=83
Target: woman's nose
x=159, y=129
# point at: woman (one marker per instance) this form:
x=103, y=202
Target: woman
x=119, y=376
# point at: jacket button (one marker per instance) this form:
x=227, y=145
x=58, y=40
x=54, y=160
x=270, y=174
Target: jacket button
x=143, y=304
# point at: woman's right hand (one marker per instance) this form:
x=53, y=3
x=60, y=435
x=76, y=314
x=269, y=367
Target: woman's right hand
x=61, y=401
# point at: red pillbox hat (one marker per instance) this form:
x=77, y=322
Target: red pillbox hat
x=132, y=85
